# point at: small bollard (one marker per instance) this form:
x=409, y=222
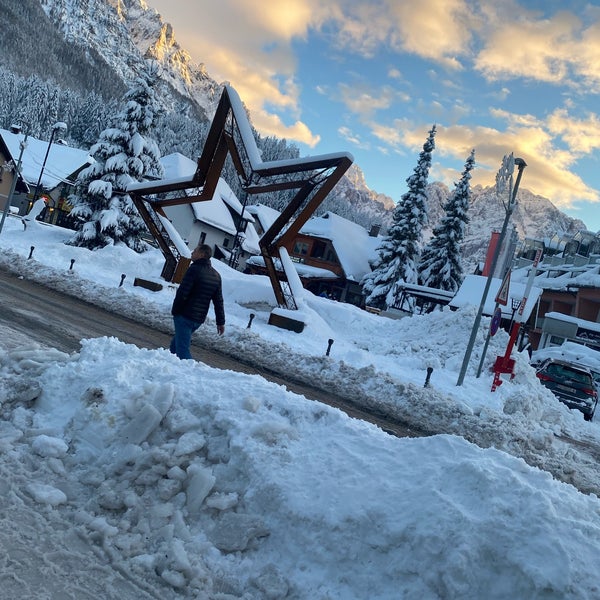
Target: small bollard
x=252, y=315
x=329, y=344
x=429, y=372
x=72, y=263
x=31, y=252
x=122, y=279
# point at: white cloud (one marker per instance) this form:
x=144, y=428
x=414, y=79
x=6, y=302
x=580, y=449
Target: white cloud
x=550, y=168
x=364, y=100
x=254, y=51
x=561, y=49
x=550, y=172
x=581, y=135
x=352, y=137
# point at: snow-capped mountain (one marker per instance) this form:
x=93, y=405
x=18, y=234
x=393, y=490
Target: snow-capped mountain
x=125, y=32
x=533, y=217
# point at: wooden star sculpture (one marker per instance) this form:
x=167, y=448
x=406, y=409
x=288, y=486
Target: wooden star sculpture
x=231, y=134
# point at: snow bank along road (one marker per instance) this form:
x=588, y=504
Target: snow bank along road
x=33, y=312
x=57, y=315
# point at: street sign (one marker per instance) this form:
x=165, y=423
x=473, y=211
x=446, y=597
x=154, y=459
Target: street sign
x=502, y=296
x=495, y=324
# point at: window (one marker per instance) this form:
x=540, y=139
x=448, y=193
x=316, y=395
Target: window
x=300, y=248
x=226, y=243
x=318, y=249
x=202, y=238
x=330, y=255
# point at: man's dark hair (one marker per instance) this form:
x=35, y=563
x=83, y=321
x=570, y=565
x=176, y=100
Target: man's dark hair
x=205, y=250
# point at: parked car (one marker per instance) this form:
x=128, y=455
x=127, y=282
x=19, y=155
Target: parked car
x=572, y=384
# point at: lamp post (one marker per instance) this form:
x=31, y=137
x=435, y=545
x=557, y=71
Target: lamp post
x=60, y=126
x=239, y=236
x=514, y=304
x=521, y=164
x=13, y=185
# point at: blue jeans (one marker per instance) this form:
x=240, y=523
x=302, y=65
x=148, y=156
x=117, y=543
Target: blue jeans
x=180, y=344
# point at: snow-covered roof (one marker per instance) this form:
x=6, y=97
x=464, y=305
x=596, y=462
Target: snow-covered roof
x=562, y=275
x=61, y=163
x=214, y=212
x=225, y=193
x=577, y=321
x=265, y=215
x=177, y=169
x=353, y=244
x=177, y=165
x=472, y=288
x=427, y=291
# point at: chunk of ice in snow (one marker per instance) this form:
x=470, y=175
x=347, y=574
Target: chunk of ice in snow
x=234, y=531
x=200, y=484
x=46, y=494
x=222, y=501
x=47, y=446
x=189, y=443
x=142, y=425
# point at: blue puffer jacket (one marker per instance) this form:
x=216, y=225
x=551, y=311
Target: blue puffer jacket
x=201, y=284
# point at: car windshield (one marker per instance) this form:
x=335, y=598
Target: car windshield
x=566, y=372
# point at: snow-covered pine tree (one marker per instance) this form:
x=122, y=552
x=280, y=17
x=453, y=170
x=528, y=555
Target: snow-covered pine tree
x=399, y=252
x=441, y=263
x=124, y=153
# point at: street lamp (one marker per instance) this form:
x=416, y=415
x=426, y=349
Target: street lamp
x=57, y=127
x=520, y=164
x=514, y=304
x=16, y=175
x=240, y=236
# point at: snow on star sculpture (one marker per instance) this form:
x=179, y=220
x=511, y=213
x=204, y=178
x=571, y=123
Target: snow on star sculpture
x=31, y=217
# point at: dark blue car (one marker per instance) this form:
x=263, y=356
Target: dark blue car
x=571, y=383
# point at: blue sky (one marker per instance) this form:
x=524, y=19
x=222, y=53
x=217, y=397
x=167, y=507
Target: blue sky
x=372, y=78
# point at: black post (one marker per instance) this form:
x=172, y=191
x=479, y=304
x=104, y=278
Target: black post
x=57, y=127
x=72, y=262
x=429, y=372
x=31, y=252
x=329, y=344
x=252, y=315
x=122, y=279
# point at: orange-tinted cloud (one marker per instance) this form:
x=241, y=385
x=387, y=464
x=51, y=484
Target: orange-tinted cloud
x=550, y=168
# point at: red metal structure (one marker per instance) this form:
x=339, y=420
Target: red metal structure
x=231, y=134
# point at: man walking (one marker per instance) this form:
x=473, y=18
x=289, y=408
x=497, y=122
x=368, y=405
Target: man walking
x=201, y=284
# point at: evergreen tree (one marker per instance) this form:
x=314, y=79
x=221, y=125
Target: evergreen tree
x=441, y=263
x=399, y=251
x=177, y=132
x=123, y=154
x=90, y=115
